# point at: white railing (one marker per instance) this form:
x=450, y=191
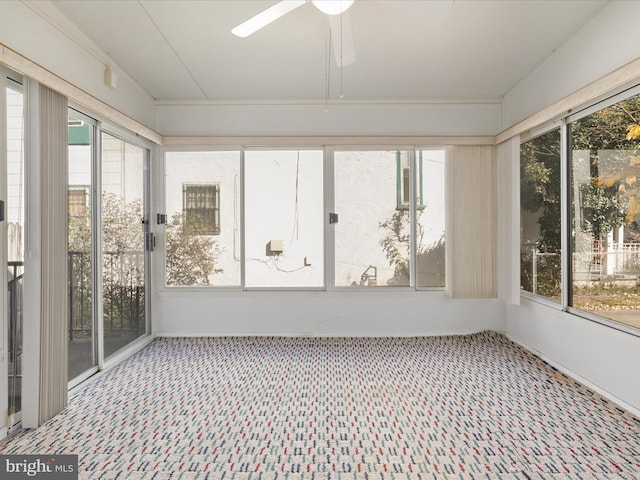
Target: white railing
x=619, y=259
x=537, y=256
x=620, y=262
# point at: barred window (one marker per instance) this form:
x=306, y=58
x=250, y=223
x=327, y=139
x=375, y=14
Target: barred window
x=201, y=208
x=77, y=202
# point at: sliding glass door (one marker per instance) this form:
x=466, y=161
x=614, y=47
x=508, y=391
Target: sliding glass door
x=123, y=242
x=14, y=216
x=82, y=339
x=107, y=258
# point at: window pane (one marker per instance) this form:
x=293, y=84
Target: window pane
x=82, y=351
x=284, y=218
x=540, y=265
x=430, y=218
x=15, y=244
x=605, y=169
x=123, y=254
x=372, y=237
x=203, y=210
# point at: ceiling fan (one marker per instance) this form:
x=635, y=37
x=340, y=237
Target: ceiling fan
x=339, y=22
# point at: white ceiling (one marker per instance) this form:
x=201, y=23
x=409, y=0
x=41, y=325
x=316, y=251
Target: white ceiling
x=185, y=51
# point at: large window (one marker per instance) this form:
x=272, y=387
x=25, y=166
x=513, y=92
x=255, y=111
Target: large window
x=372, y=238
x=382, y=225
x=605, y=212
x=580, y=237
x=202, y=191
x=284, y=239
x=540, y=259
x=259, y=218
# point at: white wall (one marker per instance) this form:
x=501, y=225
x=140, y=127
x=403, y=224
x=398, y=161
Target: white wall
x=339, y=313
x=603, y=358
x=283, y=202
x=339, y=120
x=508, y=175
x=607, y=42
x=34, y=37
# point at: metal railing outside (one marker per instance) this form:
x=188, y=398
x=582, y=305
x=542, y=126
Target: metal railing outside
x=15, y=282
x=123, y=293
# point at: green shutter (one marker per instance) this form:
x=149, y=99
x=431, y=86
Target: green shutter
x=80, y=134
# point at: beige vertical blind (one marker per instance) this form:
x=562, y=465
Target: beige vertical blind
x=54, y=296
x=471, y=221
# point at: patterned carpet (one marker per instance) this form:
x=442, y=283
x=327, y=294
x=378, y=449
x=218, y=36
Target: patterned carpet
x=465, y=407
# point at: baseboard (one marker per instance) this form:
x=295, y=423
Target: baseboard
x=323, y=334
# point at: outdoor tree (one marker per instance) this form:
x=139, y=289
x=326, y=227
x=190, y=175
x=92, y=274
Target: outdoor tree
x=540, y=195
x=80, y=273
x=191, y=260
x=540, y=188
x=612, y=136
x=627, y=180
x=190, y=256
x=396, y=245
x=608, y=202
x=122, y=267
x=122, y=241
x=121, y=227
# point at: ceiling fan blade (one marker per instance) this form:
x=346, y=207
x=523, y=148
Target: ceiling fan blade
x=266, y=17
x=344, y=50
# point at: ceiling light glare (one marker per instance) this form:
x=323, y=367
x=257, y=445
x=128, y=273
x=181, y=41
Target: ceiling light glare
x=332, y=7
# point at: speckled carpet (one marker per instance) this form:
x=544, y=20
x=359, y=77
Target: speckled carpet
x=463, y=407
